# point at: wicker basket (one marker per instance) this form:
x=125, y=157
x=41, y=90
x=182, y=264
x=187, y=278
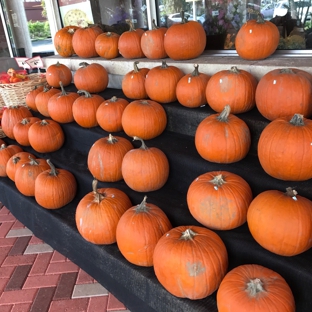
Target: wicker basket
x=15, y=93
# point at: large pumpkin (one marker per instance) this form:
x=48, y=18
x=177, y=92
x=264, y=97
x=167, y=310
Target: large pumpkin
x=222, y=138
x=284, y=148
x=161, y=82
x=55, y=188
x=139, y=230
x=20, y=130
x=253, y=287
x=105, y=158
x=219, y=200
x=145, y=169
x=185, y=40
x=58, y=72
x=191, y=89
x=91, y=77
x=234, y=87
x=273, y=213
x=190, y=261
x=63, y=41
x=144, y=118
x=83, y=41
x=283, y=93
x=98, y=214
x=257, y=39
x=106, y=45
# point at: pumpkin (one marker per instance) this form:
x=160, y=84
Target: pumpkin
x=190, y=261
x=42, y=99
x=91, y=77
x=219, y=200
x=83, y=41
x=253, y=287
x=138, y=231
x=31, y=96
x=133, y=82
x=58, y=72
x=106, y=45
x=6, y=152
x=257, y=39
x=284, y=148
x=234, y=87
x=98, y=214
x=161, y=82
x=46, y=136
x=105, y=158
x=152, y=42
x=26, y=174
x=110, y=112
x=129, y=43
x=191, y=89
x=55, y=188
x=85, y=108
x=222, y=138
x=283, y=93
x=291, y=211
x=20, y=130
x=15, y=161
x=185, y=40
x=60, y=105
x=11, y=116
x=146, y=119
x=63, y=41
x=145, y=169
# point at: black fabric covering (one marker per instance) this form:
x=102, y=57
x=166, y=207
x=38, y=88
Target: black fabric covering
x=135, y=286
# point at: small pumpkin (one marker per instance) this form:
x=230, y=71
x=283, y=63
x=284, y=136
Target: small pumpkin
x=219, y=200
x=253, y=287
x=146, y=119
x=91, y=77
x=42, y=99
x=133, y=82
x=109, y=114
x=191, y=89
x=105, y=158
x=15, y=161
x=55, y=187
x=99, y=212
x=222, y=138
x=85, y=108
x=145, y=169
x=289, y=209
x=138, y=231
x=63, y=41
x=106, y=45
x=257, y=39
x=58, y=72
x=234, y=87
x=190, y=261
x=6, y=152
x=20, y=130
x=31, y=96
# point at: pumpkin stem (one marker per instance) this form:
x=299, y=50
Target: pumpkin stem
x=16, y=159
x=98, y=197
x=131, y=26
x=195, y=71
x=218, y=181
x=43, y=122
x=141, y=207
x=3, y=146
x=84, y=64
x=188, y=234
x=154, y=26
x=111, y=139
x=143, y=146
x=291, y=193
x=254, y=286
x=113, y=99
x=85, y=93
x=135, y=66
x=260, y=19
x=33, y=161
x=53, y=171
x=63, y=92
x=183, y=18
x=224, y=115
x=286, y=71
x=234, y=70
x=46, y=88
x=24, y=121
x=297, y=120
x=164, y=64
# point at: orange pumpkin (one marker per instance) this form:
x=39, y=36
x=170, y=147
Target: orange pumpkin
x=20, y=130
x=234, y=87
x=63, y=41
x=145, y=169
x=105, y=158
x=191, y=89
x=253, y=287
x=292, y=211
x=190, y=261
x=144, y=118
x=284, y=148
x=219, y=200
x=110, y=112
x=6, y=152
x=133, y=82
x=138, y=231
x=31, y=96
x=222, y=138
x=257, y=39
x=16, y=161
x=99, y=212
x=42, y=99
x=58, y=72
x=106, y=45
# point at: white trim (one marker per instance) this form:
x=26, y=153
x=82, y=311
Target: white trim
x=151, y=12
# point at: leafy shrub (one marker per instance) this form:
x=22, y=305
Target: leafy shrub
x=39, y=30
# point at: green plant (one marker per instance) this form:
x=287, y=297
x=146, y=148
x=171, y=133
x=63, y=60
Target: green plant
x=39, y=30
